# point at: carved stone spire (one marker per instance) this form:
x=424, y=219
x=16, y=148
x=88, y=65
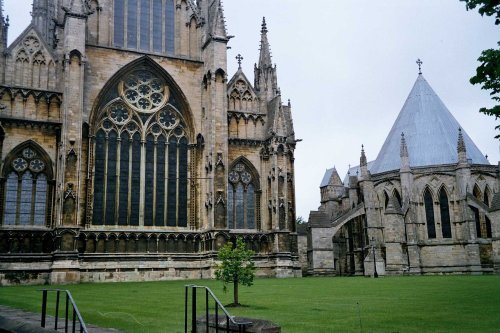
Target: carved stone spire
x=461, y=150
x=266, y=79
x=265, y=50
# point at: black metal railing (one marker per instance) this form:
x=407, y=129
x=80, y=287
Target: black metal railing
x=231, y=324
x=70, y=302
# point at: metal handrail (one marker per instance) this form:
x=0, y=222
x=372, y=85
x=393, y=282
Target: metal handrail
x=208, y=292
x=69, y=300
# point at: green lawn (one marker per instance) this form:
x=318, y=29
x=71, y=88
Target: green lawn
x=396, y=304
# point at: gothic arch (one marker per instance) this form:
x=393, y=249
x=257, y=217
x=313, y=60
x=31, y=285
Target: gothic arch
x=26, y=186
x=243, y=195
x=177, y=98
x=140, y=130
x=41, y=154
x=444, y=208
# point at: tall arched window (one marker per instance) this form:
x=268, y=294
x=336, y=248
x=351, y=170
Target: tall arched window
x=429, y=214
x=149, y=25
x=26, y=190
x=241, y=198
x=141, y=156
x=445, y=214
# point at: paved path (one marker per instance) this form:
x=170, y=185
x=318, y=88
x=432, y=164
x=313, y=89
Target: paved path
x=34, y=319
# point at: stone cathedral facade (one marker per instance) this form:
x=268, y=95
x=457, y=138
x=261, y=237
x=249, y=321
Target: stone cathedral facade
x=127, y=153
x=428, y=204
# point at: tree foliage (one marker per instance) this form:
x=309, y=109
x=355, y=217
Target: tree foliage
x=488, y=73
x=486, y=7
x=236, y=267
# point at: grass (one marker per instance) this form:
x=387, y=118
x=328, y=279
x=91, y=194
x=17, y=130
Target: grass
x=391, y=304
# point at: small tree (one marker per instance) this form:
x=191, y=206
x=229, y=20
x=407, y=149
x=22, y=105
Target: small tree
x=237, y=267
x=488, y=73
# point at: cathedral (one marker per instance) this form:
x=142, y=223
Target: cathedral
x=428, y=204
x=129, y=154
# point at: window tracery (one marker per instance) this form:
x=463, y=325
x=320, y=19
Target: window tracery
x=26, y=190
x=241, y=198
x=141, y=157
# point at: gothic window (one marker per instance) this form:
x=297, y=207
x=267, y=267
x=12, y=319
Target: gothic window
x=141, y=157
x=26, y=189
x=386, y=199
x=445, y=214
x=429, y=214
x=241, y=198
x=119, y=23
x=148, y=25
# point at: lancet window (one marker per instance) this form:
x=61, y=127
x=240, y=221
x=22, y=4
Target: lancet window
x=146, y=25
x=141, y=157
x=241, y=198
x=429, y=214
x=445, y=214
x=26, y=188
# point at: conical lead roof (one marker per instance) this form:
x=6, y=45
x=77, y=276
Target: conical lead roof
x=430, y=131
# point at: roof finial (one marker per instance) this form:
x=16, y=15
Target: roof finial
x=264, y=26
x=239, y=58
x=419, y=63
x=363, y=161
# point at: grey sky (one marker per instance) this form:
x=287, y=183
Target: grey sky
x=348, y=66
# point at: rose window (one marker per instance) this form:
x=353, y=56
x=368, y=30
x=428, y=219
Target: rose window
x=144, y=91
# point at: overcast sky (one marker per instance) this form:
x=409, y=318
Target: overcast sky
x=348, y=66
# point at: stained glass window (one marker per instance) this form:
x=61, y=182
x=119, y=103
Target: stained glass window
x=119, y=24
x=429, y=214
x=26, y=190
x=169, y=27
x=140, y=179
x=157, y=25
x=145, y=21
x=149, y=25
x=132, y=24
x=445, y=214
x=241, y=198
